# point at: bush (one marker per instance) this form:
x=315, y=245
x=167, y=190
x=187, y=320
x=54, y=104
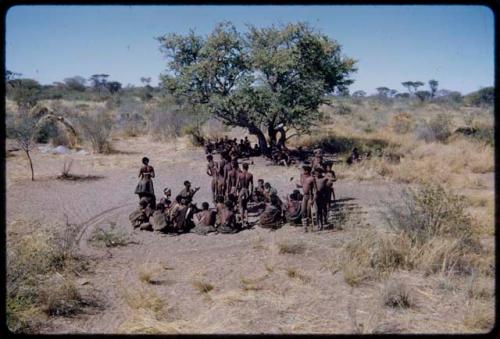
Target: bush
x=438, y=128
x=96, y=127
x=371, y=255
x=397, y=294
x=109, y=236
x=31, y=260
x=402, y=123
x=430, y=211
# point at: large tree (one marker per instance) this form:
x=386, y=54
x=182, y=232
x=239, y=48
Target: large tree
x=268, y=80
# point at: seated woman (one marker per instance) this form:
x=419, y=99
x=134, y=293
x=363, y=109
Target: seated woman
x=272, y=215
x=204, y=220
x=293, y=213
x=159, y=219
x=140, y=217
x=228, y=221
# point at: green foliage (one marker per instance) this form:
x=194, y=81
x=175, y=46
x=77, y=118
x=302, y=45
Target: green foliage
x=76, y=83
x=267, y=77
x=433, y=85
x=440, y=125
x=485, y=96
x=96, y=127
x=430, y=211
x=25, y=92
x=423, y=95
x=109, y=236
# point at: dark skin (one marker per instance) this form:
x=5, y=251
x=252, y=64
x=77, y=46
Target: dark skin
x=320, y=197
x=244, y=182
x=308, y=187
x=212, y=172
x=232, y=177
x=227, y=168
x=146, y=170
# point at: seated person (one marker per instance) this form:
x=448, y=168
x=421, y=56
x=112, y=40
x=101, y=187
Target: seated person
x=140, y=217
x=268, y=191
x=272, y=215
x=228, y=221
x=204, y=220
x=258, y=192
x=167, y=194
x=293, y=212
x=159, y=220
x=188, y=192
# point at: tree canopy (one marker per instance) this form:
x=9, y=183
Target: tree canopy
x=267, y=79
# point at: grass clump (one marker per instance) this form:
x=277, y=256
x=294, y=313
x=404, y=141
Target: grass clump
x=32, y=262
x=293, y=273
x=479, y=317
x=202, y=286
x=291, y=247
x=372, y=255
x=149, y=273
x=397, y=294
x=430, y=211
x=109, y=236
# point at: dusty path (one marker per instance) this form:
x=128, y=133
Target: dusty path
x=313, y=300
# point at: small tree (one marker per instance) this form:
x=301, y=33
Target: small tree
x=433, y=85
x=359, y=94
x=76, y=83
x=113, y=86
x=25, y=92
x=412, y=86
x=382, y=92
x=96, y=127
x=23, y=130
x=423, y=95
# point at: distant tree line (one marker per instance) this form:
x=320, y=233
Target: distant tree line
x=26, y=92
x=484, y=96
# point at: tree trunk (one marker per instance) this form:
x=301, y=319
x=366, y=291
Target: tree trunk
x=31, y=166
x=272, y=133
x=282, y=139
x=261, y=137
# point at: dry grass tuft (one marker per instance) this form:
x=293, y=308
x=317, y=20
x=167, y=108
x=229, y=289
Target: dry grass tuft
x=372, y=255
x=149, y=273
x=109, y=236
x=202, y=286
x=145, y=322
x=32, y=262
x=293, y=273
x=397, y=294
x=141, y=298
x=287, y=247
x=479, y=317
x=61, y=298
x=480, y=289
x=248, y=284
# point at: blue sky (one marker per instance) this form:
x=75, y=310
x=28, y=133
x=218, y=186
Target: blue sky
x=452, y=44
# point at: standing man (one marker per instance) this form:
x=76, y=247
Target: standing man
x=212, y=172
x=221, y=178
x=244, y=186
x=320, y=198
x=232, y=177
x=307, y=184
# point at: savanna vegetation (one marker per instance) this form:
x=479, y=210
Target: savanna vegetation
x=285, y=86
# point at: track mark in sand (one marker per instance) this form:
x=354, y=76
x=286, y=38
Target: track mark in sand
x=88, y=226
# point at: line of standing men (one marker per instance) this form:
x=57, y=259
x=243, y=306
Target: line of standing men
x=316, y=182
x=228, y=179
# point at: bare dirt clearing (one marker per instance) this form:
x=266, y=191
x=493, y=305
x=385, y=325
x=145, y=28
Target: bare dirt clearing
x=250, y=287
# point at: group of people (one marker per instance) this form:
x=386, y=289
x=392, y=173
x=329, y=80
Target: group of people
x=234, y=196
x=243, y=149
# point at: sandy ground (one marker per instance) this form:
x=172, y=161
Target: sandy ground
x=313, y=301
